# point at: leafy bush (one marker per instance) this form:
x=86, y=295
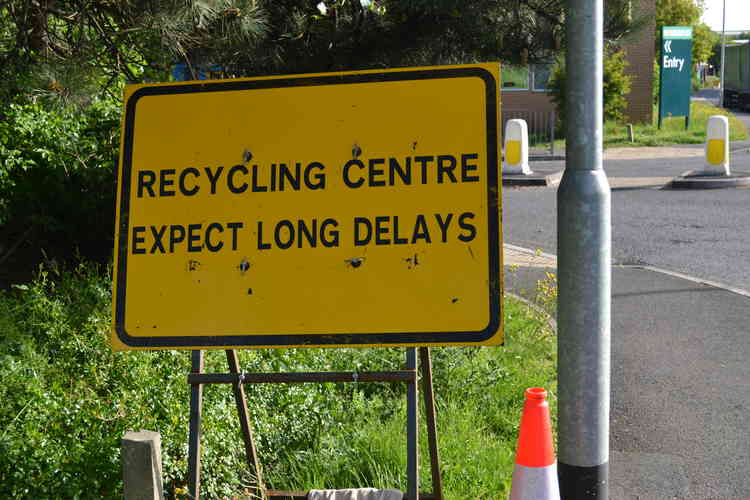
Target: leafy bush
x=57, y=179
x=67, y=399
x=616, y=85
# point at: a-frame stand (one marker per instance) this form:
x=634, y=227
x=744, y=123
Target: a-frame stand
x=409, y=375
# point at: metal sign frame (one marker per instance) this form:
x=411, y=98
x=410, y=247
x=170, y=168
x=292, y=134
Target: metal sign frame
x=414, y=369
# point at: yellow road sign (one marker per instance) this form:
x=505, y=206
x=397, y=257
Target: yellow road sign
x=346, y=209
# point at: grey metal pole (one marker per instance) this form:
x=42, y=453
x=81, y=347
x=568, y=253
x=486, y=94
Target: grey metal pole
x=584, y=237
x=723, y=44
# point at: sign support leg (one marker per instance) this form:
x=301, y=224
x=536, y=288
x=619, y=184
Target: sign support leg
x=410, y=375
x=247, y=431
x=425, y=365
x=412, y=428
x=194, y=439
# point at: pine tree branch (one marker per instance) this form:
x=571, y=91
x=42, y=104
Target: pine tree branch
x=104, y=36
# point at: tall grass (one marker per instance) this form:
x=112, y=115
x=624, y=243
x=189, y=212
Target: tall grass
x=479, y=394
x=68, y=399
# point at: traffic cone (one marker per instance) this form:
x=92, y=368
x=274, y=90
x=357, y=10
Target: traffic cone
x=535, y=473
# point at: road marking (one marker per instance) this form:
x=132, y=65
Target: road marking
x=526, y=257
x=714, y=284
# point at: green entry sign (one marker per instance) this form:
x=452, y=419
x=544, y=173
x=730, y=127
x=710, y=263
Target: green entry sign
x=675, y=72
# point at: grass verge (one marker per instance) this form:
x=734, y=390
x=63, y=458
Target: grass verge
x=673, y=129
x=68, y=399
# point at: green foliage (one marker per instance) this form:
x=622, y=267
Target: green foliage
x=74, y=48
x=678, y=12
x=57, y=179
x=616, y=85
x=68, y=400
x=704, y=40
x=557, y=88
x=63, y=65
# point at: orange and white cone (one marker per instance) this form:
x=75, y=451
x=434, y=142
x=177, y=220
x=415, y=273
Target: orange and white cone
x=535, y=473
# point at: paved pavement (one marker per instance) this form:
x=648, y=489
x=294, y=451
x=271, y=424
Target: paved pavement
x=680, y=348
x=680, y=386
x=711, y=95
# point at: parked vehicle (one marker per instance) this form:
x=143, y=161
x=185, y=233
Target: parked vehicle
x=737, y=74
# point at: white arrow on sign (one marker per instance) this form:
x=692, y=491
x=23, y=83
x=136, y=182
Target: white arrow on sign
x=668, y=46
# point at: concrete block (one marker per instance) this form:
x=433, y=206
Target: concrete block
x=141, y=466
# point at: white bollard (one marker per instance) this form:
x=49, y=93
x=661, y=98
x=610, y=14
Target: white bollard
x=717, y=146
x=516, y=148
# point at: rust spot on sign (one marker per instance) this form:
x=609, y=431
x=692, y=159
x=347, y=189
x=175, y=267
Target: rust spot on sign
x=244, y=266
x=412, y=262
x=355, y=262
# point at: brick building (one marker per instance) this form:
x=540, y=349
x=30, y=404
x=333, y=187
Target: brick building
x=524, y=93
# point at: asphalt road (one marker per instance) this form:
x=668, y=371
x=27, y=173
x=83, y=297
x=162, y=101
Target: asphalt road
x=710, y=95
x=703, y=233
x=680, y=398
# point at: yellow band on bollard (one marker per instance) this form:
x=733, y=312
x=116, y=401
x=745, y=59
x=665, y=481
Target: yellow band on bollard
x=513, y=152
x=715, y=152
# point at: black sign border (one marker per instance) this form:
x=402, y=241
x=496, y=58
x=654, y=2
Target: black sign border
x=319, y=340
